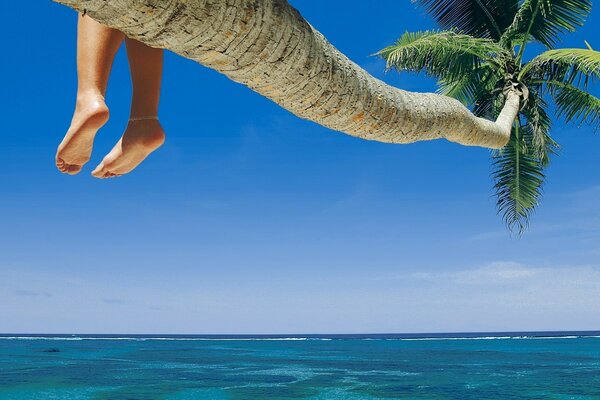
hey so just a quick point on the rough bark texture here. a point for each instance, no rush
(269, 47)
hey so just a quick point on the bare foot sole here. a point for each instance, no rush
(75, 149)
(141, 138)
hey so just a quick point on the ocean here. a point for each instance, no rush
(516, 365)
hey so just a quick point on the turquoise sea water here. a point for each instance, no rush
(516, 366)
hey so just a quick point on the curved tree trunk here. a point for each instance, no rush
(269, 47)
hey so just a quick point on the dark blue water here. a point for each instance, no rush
(547, 365)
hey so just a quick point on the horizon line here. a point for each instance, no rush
(301, 334)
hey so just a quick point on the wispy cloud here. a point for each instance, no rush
(113, 301)
(497, 296)
(517, 283)
(491, 274)
(575, 214)
(31, 293)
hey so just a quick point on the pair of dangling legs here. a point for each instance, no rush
(97, 46)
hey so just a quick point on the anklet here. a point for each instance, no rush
(143, 118)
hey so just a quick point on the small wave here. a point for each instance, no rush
(503, 338)
(151, 338)
(461, 338)
(166, 338)
(565, 337)
(499, 338)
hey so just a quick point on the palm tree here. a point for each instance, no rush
(480, 55)
(268, 46)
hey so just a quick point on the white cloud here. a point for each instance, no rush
(499, 296)
(513, 284)
(504, 296)
(501, 273)
(491, 274)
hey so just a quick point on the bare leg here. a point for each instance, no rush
(144, 133)
(96, 49)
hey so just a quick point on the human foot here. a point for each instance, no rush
(75, 149)
(142, 137)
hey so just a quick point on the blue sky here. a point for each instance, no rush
(250, 220)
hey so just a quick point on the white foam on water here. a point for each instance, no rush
(150, 338)
(500, 338)
(142, 339)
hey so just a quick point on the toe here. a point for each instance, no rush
(61, 165)
(99, 172)
(73, 169)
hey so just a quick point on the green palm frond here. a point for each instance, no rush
(545, 20)
(575, 104)
(462, 89)
(519, 176)
(481, 53)
(538, 127)
(577, 66)
(489, 100)
(470, 86)
(478, 18)
(487, 105)
(481, 91)
(444, 54)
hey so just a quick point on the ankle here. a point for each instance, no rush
(89, 93)
(140, 109)
(90, 103)
(147, 129)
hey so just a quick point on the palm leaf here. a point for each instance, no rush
(445, 54)
(469, 87)
(489, 99)
(575, 104)
(487, 105)
(479, 18)
(564, 65)
(462, 89)
(519, 177)
(538, 127)
(481, 91)
(545, 20)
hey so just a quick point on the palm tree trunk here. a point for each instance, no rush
(269, 47)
